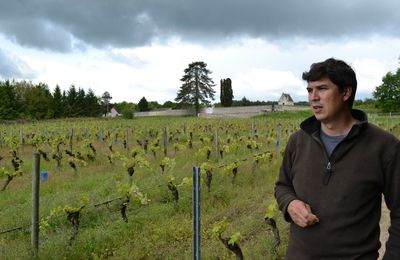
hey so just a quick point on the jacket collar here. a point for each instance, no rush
(312, 125)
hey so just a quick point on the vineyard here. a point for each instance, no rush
(122, 189)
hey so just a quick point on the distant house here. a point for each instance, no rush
(285, 100)
(113, 113)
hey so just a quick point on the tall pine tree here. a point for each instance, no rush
(197, 86)
(80, 105)
(92, 104)
(71, 97)
(57, 103)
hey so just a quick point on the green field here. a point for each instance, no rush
(157, 226)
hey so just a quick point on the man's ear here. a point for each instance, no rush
(347, 93)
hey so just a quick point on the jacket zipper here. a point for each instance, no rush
(328, 169)
(328, 173)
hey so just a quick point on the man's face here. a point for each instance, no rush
(326, 102)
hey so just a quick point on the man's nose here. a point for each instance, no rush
(313, 95)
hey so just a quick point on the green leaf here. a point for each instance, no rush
(234, 239)
(271, 210)
(219, 227)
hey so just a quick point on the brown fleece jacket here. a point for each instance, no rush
(347, 197)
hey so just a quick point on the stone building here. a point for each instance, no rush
(113, 113)
(285, 100)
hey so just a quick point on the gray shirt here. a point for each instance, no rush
(330, 142)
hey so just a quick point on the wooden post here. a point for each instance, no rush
(100, 134)
(21, 138)
(216, 143)
(71, 135)
(35, 204)
(126, 140)
(165, 140)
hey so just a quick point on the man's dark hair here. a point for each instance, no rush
(337, 71)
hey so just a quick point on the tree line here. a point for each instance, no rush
(25, 100)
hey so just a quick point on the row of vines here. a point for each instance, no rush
(122, 188)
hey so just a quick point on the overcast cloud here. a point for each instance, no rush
(13, 67)
(263, 45)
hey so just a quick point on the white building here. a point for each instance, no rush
(113, 113)
(285, 100)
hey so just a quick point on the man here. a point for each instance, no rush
(334, 172)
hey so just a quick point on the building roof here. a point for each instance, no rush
(286, 96)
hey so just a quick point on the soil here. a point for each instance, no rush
(384, 223)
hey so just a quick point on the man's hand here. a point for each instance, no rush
(301, 214)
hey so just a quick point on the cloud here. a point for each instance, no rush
(41, 34)
(128, 57)
(135, 48)
(64, 26)
(260, 70)
(11, 66)
(371, 73)
(262, 84)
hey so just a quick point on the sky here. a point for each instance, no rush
(140, 48)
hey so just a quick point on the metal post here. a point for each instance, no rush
(196, 213)
(35, 203)
(279, 142)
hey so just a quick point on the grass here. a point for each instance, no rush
(162, 229)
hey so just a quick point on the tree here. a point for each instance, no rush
(226, 92)
(8, 101)
(197, 86)
(153, 105)
(70, 99)
(80, 106)
(170, 104)
(126, 109)
(143, 105)
(92, 104)
(106, 97)
(57, 103)
(37, 101)
(64, 101)
(388, 93)
(245, 102)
